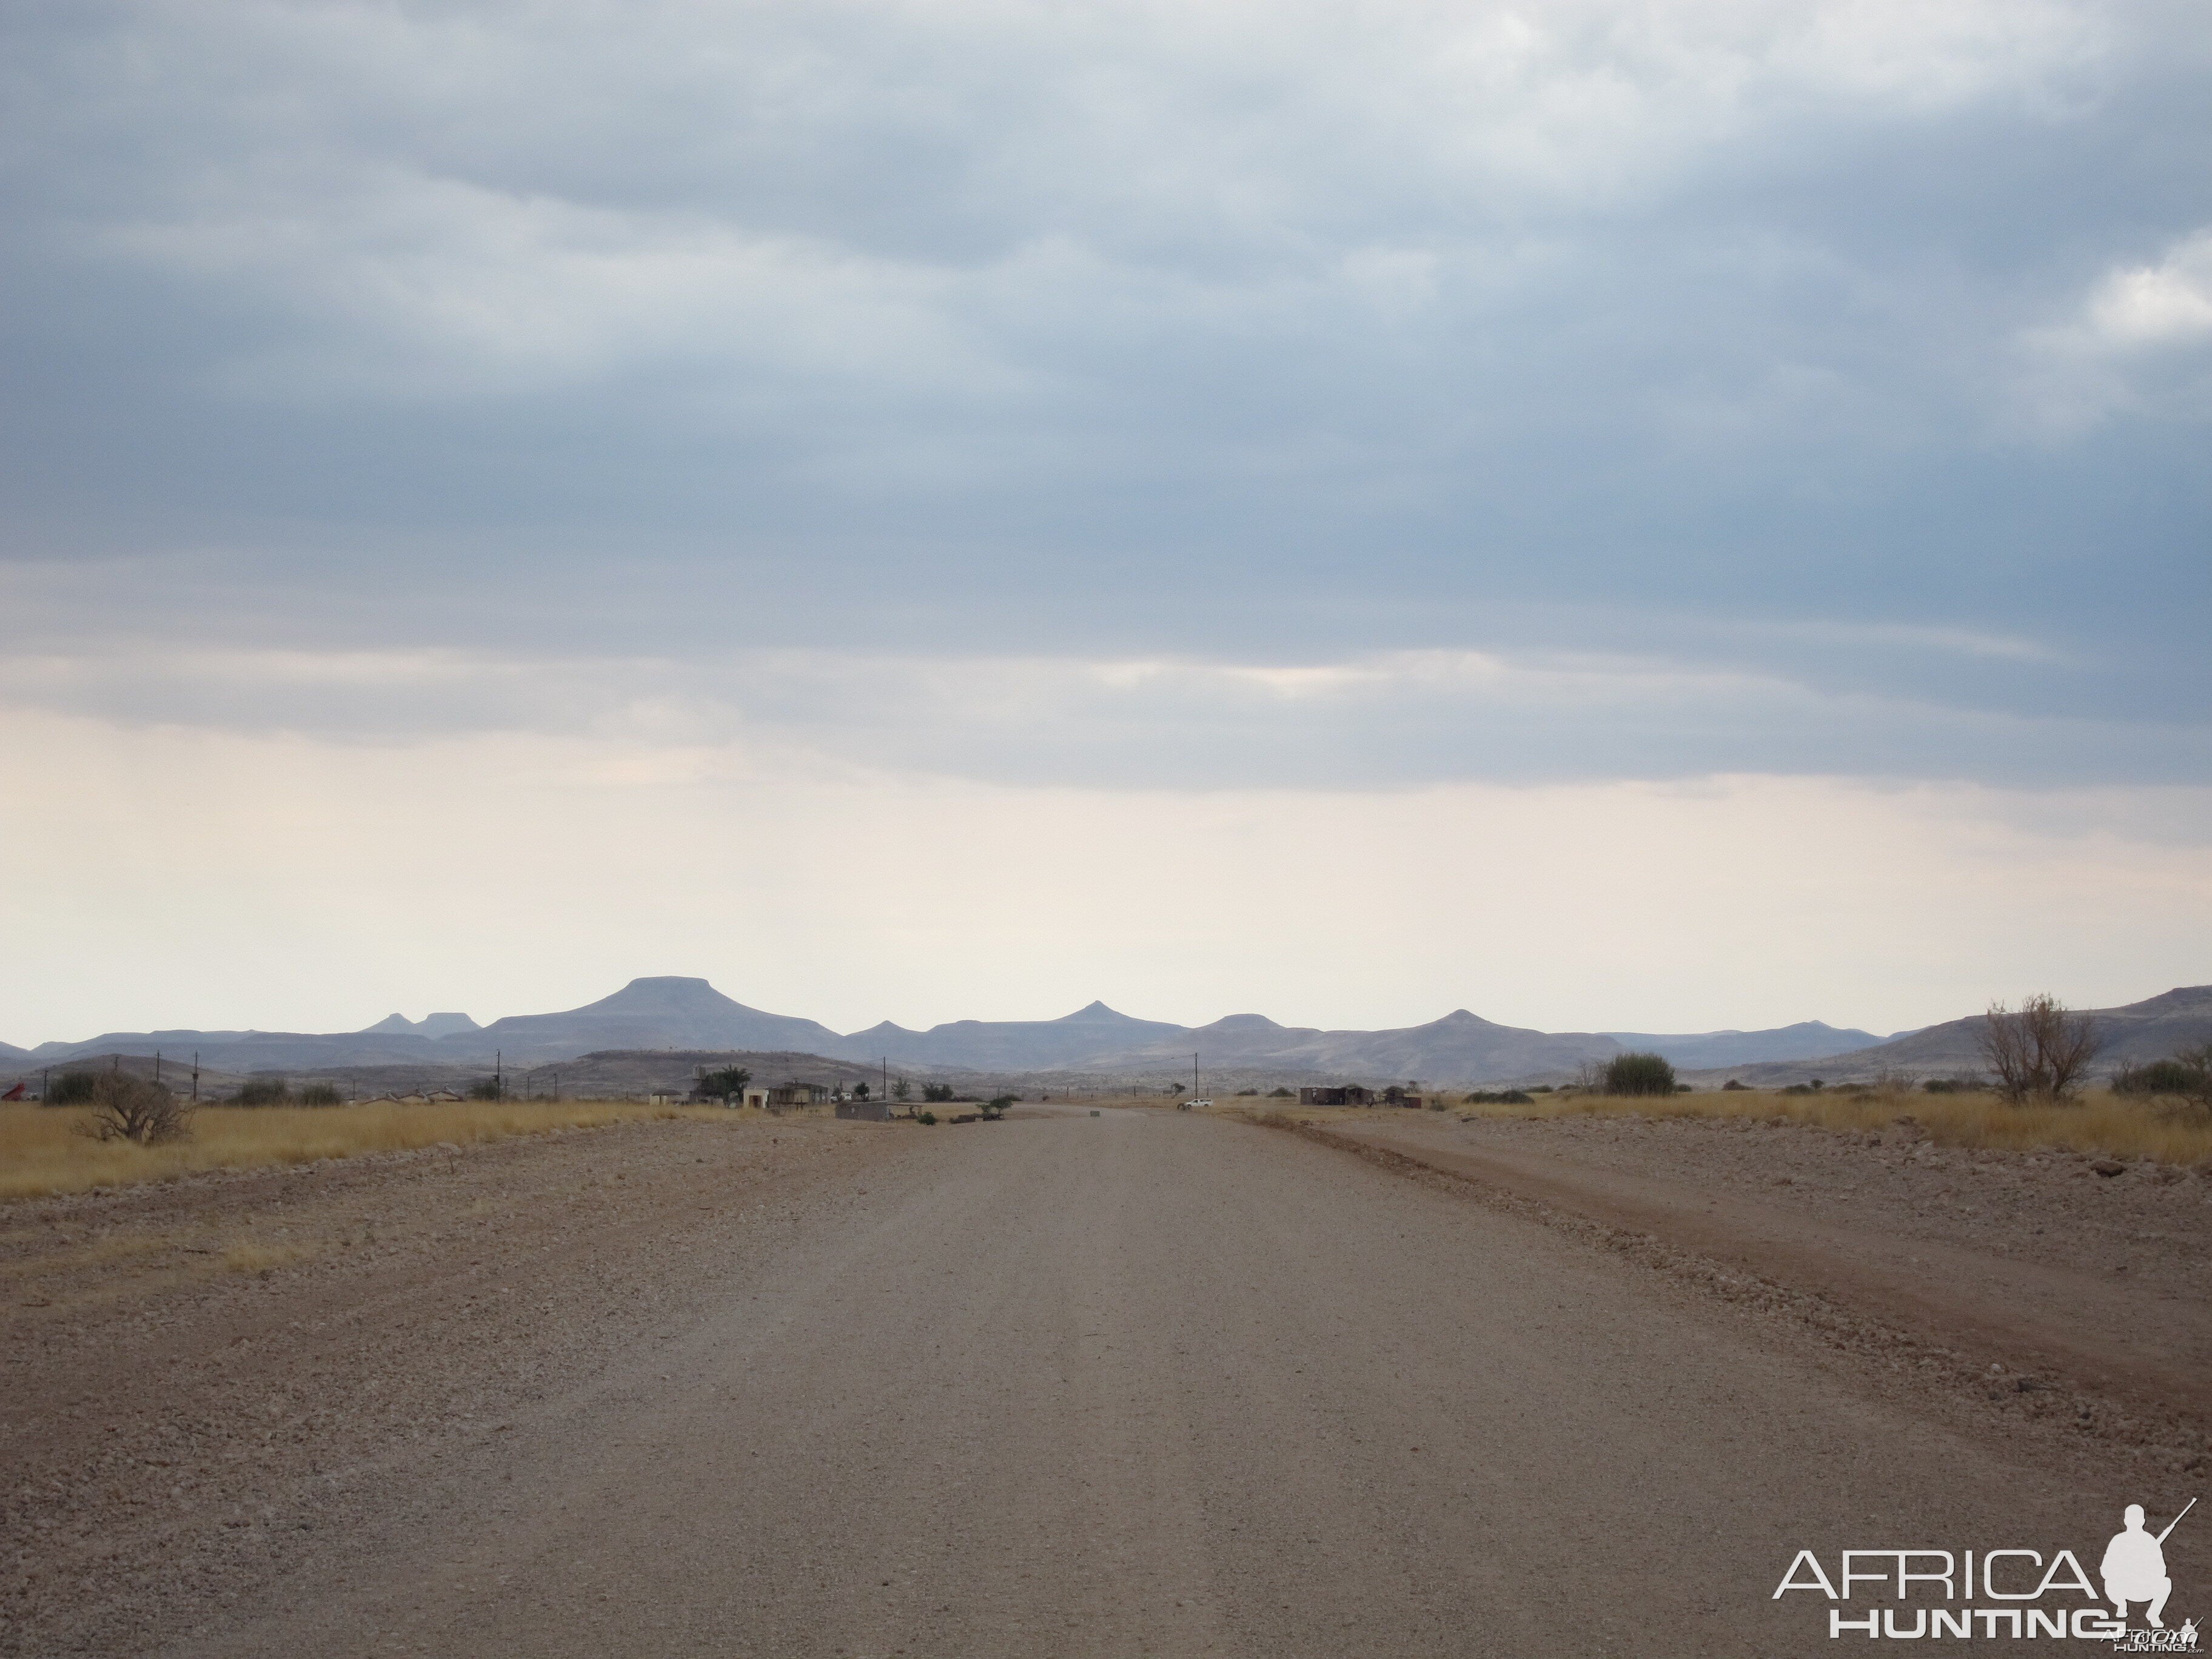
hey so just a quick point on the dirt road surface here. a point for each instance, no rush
(1142, 1384)
(2038, 1264)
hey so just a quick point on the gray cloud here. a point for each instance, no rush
(1388, 719)
(1832, 369)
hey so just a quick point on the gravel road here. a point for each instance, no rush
(2090, 1285)
(1143, 1384)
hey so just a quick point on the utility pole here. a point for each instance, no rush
(1193, 1077)
(196, 1074)
(157, 1068)
(499, 1073)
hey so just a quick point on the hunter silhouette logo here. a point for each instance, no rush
(2135, 1566)
(2003, 1593)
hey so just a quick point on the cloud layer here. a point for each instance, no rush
(1132, 327)
(1801, 701)
(1157, 403)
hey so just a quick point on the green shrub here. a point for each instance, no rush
(262, 1092)
(488, 1088)
(1279, 1093)
(320, 1094)
(732, 1080)
(1732, 1083)
(937, 1091)
(2158, 1077)
(1640, 1074)
(71, 1089)
(925, 1117)
(1498, 1097)
(2186, 1077)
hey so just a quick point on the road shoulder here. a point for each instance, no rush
(2030, 1282)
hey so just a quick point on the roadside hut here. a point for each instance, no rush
(1349, 1094)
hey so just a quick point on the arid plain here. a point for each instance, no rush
(1145, 1382)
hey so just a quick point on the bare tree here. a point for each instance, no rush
(2007, 1052)
(1892, 1082)
(127, 1108)
(2065, 1044)
(2041, 1052)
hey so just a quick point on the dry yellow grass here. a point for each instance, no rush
(2106, 1124)
(41, 1152)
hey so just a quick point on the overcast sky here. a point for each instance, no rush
(1614, 515)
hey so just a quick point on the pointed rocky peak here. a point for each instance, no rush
(430, 1025)
(1097, 1013)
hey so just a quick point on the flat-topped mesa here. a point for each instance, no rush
(656, 1012)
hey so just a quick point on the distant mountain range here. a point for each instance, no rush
(1012, 1045)
(2153, 1029)
(671, 1013)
